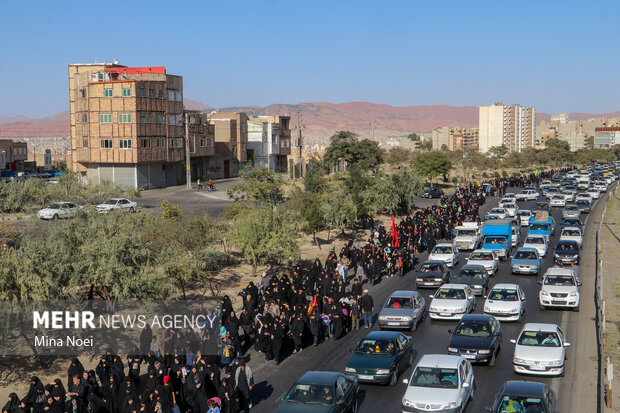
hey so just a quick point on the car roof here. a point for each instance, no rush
(404, 293)
(540, 327)
(477, 317)
(506, 286)
(378, 335)
(526, 249)
(572, 227)
(455, 286)
(535, 236)
(319, 377)
(560, 271)
(567, 241)
(439, 360)
(473, 267)
(482, 250)
(524, 388)
(445, 244)
(434, 262)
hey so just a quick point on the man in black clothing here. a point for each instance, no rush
(247, 324)
(297, 331)
(356, 289)
(367, 305)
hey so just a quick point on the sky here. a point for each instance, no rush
(557, 56)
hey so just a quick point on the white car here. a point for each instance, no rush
(569, 196)
(511, 196)
(538, 242)
(540, 349)
(451, 302)
(468, 236)
(486, 258)
(516, 233)
(594, 193)
(116, 204)
(557, 201)
(559, 290)
(500, 212)
(447, 253)
(439, 382)
(59, 210)
(506, 302)
(600, 186)
(527, 195)
(510, 207)
(572, 234)
(584, 196)
(524, 217)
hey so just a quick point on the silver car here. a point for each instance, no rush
(540, 350)
(439, 383)
(571, 211)
(403, 309)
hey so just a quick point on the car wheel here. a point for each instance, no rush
(394, 378)
(576, 309)
(132, 210)
(493, 359)
(541, 307)
(414, 324)
(473, 389)
(354, 406)
(54, 217)
(411, 359)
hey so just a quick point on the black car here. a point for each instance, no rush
(433, 193)
(584, 206)
(432, 273)
(525, 396)
(572, 222)
(475, 276)
(477, 337)
(566, 252)
(321, 391)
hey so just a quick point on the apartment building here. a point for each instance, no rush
(455, 139)
(605, 137)
(269, 142)
(127, 125)
(512, 126)
(13, 155)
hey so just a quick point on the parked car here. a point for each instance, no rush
(432, 193)
(117, 204)
(524, 217)
(440, 382)
(571, 211)
(505, 302)
(524, 396)
(380, 357)
(566, 252)
(540, 349)
(475, 276)
(432, 274)
(557, 201)
(525, 261)
(403, 309)
(539, 242)
(321, 391)
(527, 195)
(572, 234)
(59, 210)
(447, 253)
(559, 290)
(487, 258)
(451, 302)
(477, 337)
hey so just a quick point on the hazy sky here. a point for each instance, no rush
(558, 56)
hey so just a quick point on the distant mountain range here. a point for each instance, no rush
(319, 119)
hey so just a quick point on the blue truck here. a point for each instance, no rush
(541, 223)
(497, 237)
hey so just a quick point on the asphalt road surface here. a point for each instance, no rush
(430, 337)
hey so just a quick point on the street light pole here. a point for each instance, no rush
(188, 170)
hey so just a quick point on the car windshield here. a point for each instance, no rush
(534, 240)
(495, 240)
(571, 208)
(504, 294)
(491, 217)
(497, 211)
(558, 197)
(560, 280)
(435, 377)
(431, 268)
(311, 394)
(472, 329)
(376, 347)
(582, 202)
(575, 222)
(571, 232)
(484, 256)
(471, 273)
(466, 232)
(524, 213)
(542, 204)
(111, 202)
(539, 339)
(539, 227)
(442, 250)
(525, 255)
(566, 246)
(399, 302)
(450, 294)
(521, 404)
(54, 206)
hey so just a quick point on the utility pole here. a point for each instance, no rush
(299, 138)
(372, 128)
(188, 170)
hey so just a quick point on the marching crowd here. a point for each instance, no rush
(203, 369)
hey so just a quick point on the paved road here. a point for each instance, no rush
(430, 337)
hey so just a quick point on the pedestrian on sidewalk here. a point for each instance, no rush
(368, 307)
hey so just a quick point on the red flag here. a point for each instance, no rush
(313, 304)
(394, 234)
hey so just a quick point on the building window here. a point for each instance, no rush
(124, 118)
(178, 96)
(161, 142)
(125, 144)
(84, 143)
(83, 91)
(171, 95)
(151, 93)
(159, 118)
(145, 117)
(106, 143)
(145, 143)
(141, 92)
(84, 118)
(109, 93)
(192, 120)
(175, 143)
(192, 144)
(105, 118)
(160, 94)
(203, 141)
(126, 92)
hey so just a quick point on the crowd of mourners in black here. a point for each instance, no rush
(204, 370)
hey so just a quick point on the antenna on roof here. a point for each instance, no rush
(115, 61)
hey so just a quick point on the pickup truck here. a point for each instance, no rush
(544, 228)
(497, 237)
(468, 236)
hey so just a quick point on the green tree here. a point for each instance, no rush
(426, 145)
(398, 155)
(345, 145)
(444, 147)
(432, 164)
(356, 183)
(169, 212)
(414, 137)
(381, 195)
(260, 186)
(557, 144)
(315, 176)
(338, 209)
(589, 142)
(308, 205)
(498, 151)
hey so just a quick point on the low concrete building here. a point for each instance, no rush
(269, 142)
(13, 155)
